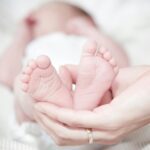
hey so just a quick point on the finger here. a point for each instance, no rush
(43, 126)
(61, 132)
(61, 138)
(105, 138)
(58, 132)
(65, 77)
(73, 70)
(85, 119)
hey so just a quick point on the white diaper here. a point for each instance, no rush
(61, 48)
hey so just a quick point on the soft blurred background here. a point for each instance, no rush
(126, 21)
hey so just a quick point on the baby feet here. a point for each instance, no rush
(40, 81)
(97, 71)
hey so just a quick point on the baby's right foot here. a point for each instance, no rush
(97, 71)
(41, 82)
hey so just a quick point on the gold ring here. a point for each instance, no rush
(90, 136)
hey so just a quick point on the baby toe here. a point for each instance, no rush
(98, 54)
(90, 48)
(112, 62)
(24, 87)
(32, 64)
(43, 62)
(25, 78)
(107, 55)
(103, 50)
(28, 70)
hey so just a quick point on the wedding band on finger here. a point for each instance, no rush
(90, 136)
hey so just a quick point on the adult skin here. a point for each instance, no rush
(110, 123)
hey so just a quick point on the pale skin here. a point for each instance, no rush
(106, 121)
(40, 81)
(108, 128)
(37, 25)
(110, 123)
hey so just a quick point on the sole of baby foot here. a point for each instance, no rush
(41, 81)
(97, 71)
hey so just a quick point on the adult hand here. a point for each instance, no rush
(109, 123)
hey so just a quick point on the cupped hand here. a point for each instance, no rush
(109, 123)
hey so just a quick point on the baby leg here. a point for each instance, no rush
(84, 27)
(96, 73)
(42, 83)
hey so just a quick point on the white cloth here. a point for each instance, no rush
(14, 145)
(61, 48)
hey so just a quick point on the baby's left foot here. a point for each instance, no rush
(97, 70)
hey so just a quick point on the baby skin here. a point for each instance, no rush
(97, 70)
(42, 83)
